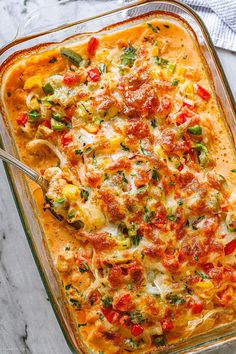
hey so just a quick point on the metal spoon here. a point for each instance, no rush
(32, 174)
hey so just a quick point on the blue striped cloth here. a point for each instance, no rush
(219, 17)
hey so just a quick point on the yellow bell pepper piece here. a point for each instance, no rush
(205, 285)
(159, 151)
(33, 81)
(91, 128)
(34, 104)
(116, 141)
(71, 192)
(188, 90)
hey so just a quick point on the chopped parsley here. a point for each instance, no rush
(52, 60)
(174, 299)
(155, 175)
(175, 83)
(102, 68)
(105, 176)
(153, 123)
(82, 324)
(129, 56)
(78, 152)
(202, 275)
(84, 194)
(107, 302)
(125, 148)
(146, 153)
(83, 267)
(234, 170)
(161, 62)
(154, 29)
(172, 218)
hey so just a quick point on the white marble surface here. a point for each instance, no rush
(27, 322)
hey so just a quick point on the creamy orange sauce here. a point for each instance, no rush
(174, 76)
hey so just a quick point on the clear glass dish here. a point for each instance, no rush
(113, 20)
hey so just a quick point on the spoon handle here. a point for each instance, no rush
(32, 174)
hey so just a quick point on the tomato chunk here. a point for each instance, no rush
(92, 46)
(111, 315)
(197, 308)
(47, 124)
(22, 118)
(136, 330)
(93, 74)
(123, 303)
(65, 139)
(203, 93)
(167, 324)
(125, 321)
(230, 247)
(71, 79)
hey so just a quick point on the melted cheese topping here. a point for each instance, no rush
(127, 131)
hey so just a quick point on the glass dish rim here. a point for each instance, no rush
(196, 347)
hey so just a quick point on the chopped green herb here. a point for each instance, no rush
(88, 149)
(131, 344)
(153, 123)
(101, 316)
(195, 130)
(155, 175)
(75, 303)
(33, 116)
(124, 179)
(83, 267)
(78, 152)
(136, 317)
(142, 190)
(102, 68)
(154, 29)
(202, 275)
(71, 215)
(125, 148)
(195, 258)
(107, 302)
(129, 286)
(105, 176)
(180, 202)
(129, 56)
(146, 153)
(234, 170)
(175, 83)
(174, 299)
(68, 286)
(158, 340)
(52, 60)
(48, 89)
(84, 194)
(72, 56)
(171, 183)
(8, 94)
(172, 218)
(82, 324)
(161, 62)
(171, 67)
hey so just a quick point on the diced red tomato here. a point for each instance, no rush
(111, 315)
(136, 330)
(125, 321)
(22, 118)
(71, 79)
(207, 267)
(181, 119)
(65, 139)
(92, 46)
(93, 74)
(70, 110)
(123, 303)
(180, 167)
(167, 324)
(230, 247)
(197, 307)
(47, 124)
(203, 93)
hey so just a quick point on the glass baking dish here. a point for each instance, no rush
(116, 19)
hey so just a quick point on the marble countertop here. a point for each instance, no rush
(27, 322)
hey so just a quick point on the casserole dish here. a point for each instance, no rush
(35, 231)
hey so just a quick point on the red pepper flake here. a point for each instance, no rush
(22, 118)
(203, 93)
(230, 247)
(92, 46)
(93, 74)
(136, 330)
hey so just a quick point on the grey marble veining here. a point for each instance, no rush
(27, 321)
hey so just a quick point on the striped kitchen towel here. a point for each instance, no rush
(219, 17)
